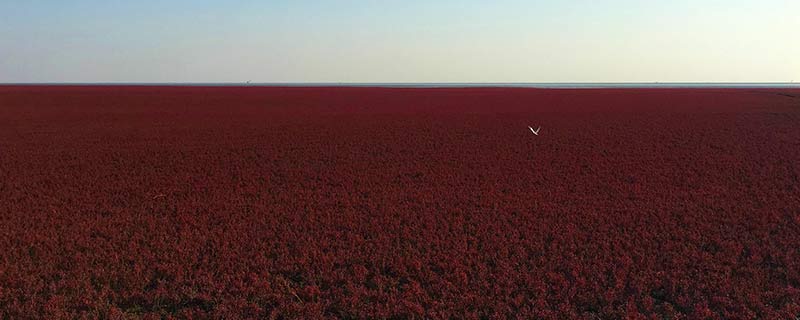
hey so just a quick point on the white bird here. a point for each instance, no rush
(536, 132)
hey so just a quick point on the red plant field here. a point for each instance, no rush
(391, 203)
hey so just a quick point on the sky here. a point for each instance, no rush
(399, 41)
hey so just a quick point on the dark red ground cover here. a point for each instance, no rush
(241, 202)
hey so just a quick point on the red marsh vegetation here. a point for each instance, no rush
(390, 203)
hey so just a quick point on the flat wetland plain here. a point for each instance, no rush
(362, 202)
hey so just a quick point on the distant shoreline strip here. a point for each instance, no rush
(586, 85)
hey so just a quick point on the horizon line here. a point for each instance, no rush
(563, 85)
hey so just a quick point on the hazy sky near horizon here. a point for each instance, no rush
(399, 41)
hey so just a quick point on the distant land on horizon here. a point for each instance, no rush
(556, 85)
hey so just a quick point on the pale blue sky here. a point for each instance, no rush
(399, 41)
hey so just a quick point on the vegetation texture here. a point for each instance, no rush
(240, 202)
